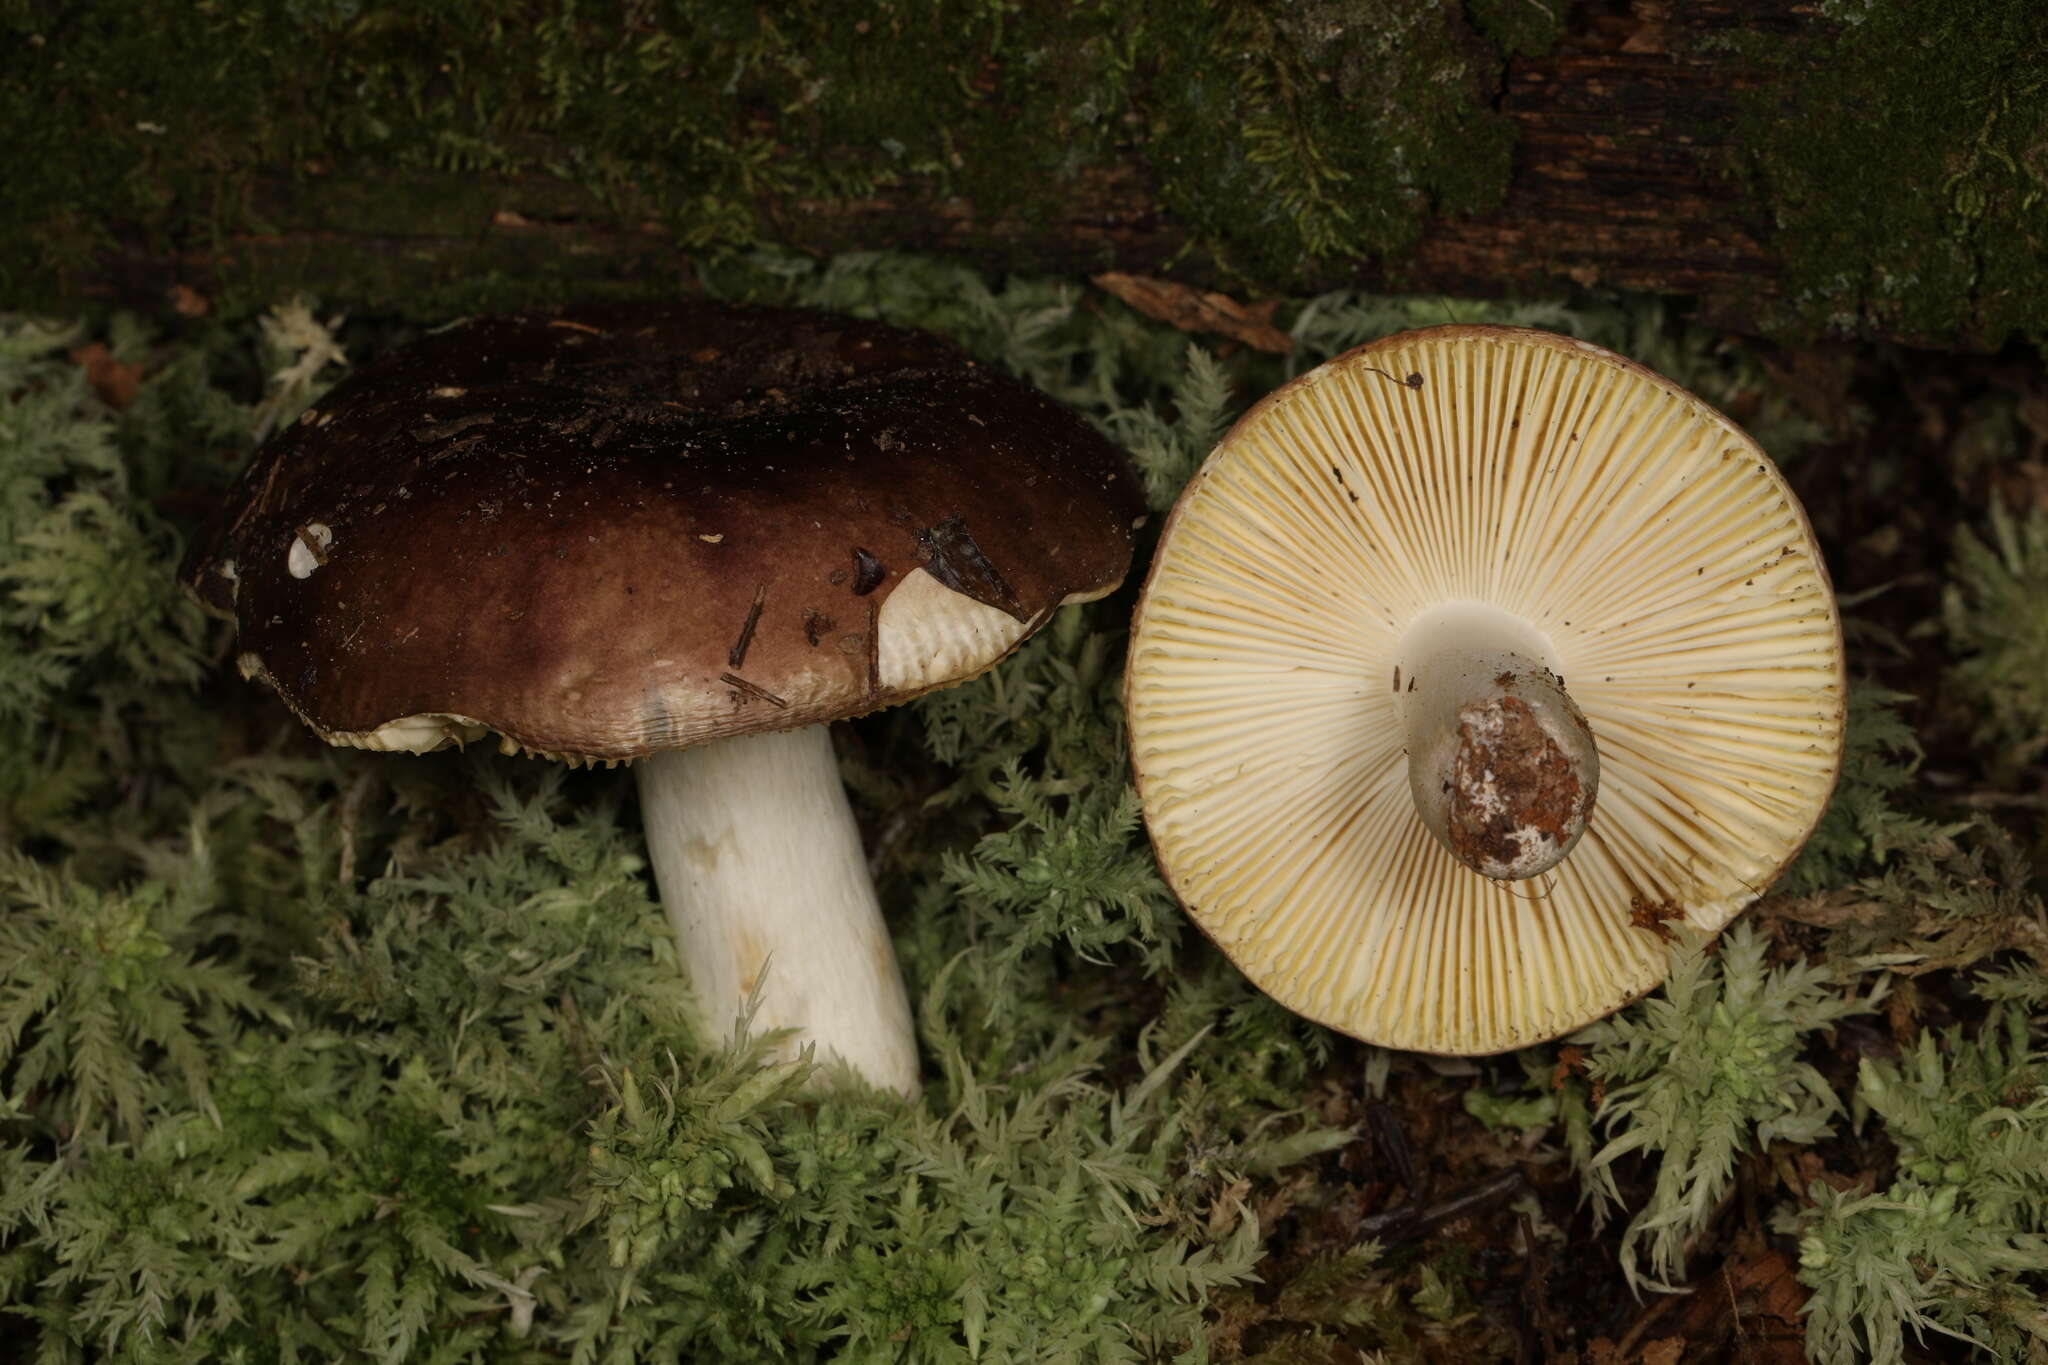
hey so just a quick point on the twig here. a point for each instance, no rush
(1408, 1223)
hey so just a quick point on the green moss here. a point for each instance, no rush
(309, 1054)
(1903, 160)
(1520, 28)
(1281, 133)
(1288, 135)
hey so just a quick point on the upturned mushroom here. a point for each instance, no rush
(1469, 663)
(689, 537)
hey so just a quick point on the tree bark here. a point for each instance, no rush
(1626, 175)
(1622, 180)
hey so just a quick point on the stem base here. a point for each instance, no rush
(761, 871)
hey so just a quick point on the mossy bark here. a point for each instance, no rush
(1866, 166)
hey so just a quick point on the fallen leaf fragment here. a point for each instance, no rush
(1653, 916)
(115, 384)
(1754, 1303)
(1571, 1061)
(1195, 310)
(188, 302)
(1666, 1351)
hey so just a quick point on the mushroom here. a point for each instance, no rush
(1419, 606)
(688, 537)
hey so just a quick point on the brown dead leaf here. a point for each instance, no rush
(1751, 1303)
(1823, 909)
(1228, 1208)
(1933, 942)
(1902, 1011)
(1651, 34)
(1602, 1351)
(1571, 1061)
(2023, 485)
(1798, 1169)
(1771, 1287)
(1664, 1351)
(1277, 1202)
(1884, 542)
(1654, 916)
(2033, 415)
(115, 383)
(188, 302)
(1819, 381)
(1193, 310)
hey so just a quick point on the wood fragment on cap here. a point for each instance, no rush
(737, 655)
(739, 684)
(874, 648)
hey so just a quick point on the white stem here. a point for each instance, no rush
(761, 871)
(1501, 763)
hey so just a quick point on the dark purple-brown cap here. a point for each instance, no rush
(613, 531)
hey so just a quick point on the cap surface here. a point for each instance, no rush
(608, 532)
(1567, 500)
